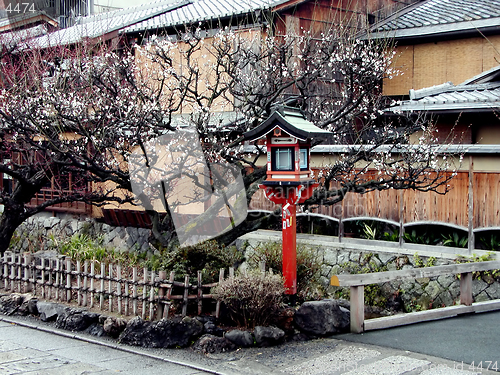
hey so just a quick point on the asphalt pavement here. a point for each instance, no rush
(457, 346)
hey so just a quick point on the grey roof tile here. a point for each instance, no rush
(434, 16)
(447, 97)
(208, 9)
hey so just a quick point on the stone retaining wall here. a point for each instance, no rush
(42, 232)
(375, 256)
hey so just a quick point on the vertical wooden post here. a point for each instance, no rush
(262, 266)
(126, 296)
(162, 275)
(119, 287)
(200, 294)
(186, 294)
(401, 218)
(92, 278)
(217, 306)
(79, 281)
(85, 282)
(110, 288)
(466, 289)
(12, 272)
(152, 295)
(6, 270)
(134, 290)
(58, 276)
(470, 228)
(19, 270)
(46, 265)
(357, 308)
(28, 286)
(144, 292)
(68, 279)
(101, 297)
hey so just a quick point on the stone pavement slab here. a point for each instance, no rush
(72, 353)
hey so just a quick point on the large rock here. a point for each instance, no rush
(165, 333)
(76, 320)
(322, 318)
(13, 304)
(114, 326)
(240, 338)
(268, 336)
(213, 344)
(50, 311)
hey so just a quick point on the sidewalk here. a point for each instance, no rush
(37, 351)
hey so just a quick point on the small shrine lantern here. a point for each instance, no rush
(288, 139)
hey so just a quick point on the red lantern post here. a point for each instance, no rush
(289, 178)
(288, 198)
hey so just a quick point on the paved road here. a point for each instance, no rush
(473, 338)
(445, 347)
(31, 351)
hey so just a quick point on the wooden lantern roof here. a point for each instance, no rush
(291, 121)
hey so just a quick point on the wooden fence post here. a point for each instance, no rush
(28, 286)
(85, 282)
(466, 289)
(6, 270)
(110, 287)
(152, 295)
(56, 282)
(119, 287)
(79, 281)
(144, 292)
(186, 294)
(68, 279)
(92, 280)
(357, 308)
(217, 305)
(101, 296)
(134, 290)
(162, 275)
(200, 293)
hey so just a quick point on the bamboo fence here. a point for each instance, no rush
(106, 287)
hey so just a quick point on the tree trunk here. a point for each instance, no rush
(9, 221)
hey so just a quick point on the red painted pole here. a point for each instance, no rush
(289, 234)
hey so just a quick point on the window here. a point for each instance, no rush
(303, 159)
(283, 159)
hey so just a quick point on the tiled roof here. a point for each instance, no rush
(104, 23)
(430, 17)
(160, 14)
(468, 96)
(201, 10)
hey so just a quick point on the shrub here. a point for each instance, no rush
(208, 257)
(82, 247)
(308, 265)
(252, 298)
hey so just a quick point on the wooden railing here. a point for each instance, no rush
(358, 281)
(107, 287)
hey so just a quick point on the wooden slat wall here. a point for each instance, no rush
(486, 200)
(451, 208)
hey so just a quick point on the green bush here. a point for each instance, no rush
(208, 257)
(82, 247)
(252, 298)
(308, 266)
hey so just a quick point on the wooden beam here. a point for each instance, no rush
(427, 315)
(382, 277)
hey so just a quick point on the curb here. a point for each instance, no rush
(108, 345)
